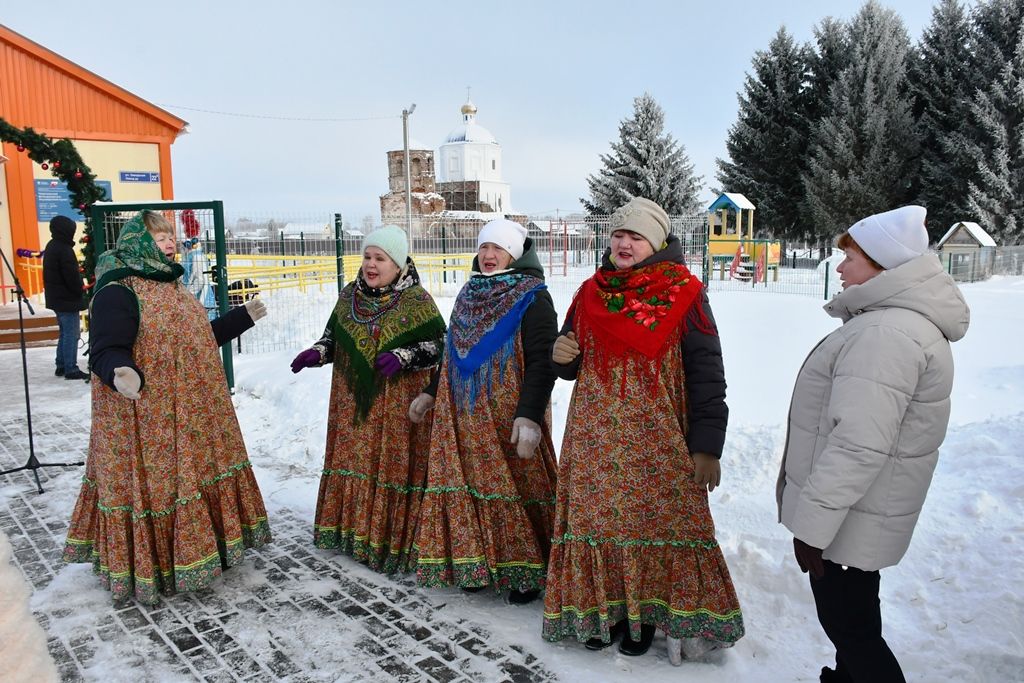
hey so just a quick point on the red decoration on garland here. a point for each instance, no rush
(78, 174)
(56, 164)
(44, 165)
(81, 207)
(86, 239)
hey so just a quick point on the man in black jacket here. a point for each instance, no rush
(62, 283)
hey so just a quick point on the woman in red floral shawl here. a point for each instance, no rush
(634, 546)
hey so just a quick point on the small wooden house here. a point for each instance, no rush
(967, 251)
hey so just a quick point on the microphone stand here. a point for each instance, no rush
(33, 463)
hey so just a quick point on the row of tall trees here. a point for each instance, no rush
(862, 121)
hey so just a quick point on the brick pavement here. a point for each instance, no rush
(291, 612)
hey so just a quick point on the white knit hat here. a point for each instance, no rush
(894, 237)
(504, 233)
(392, 240)
(645, 218)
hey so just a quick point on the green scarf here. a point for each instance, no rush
(363, 326)
(135, 254)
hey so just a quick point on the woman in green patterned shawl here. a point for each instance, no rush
(168, 499)
(383, 337)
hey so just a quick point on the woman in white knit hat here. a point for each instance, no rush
(487, 509)
(869, 411)
(634, 547)
(383, 337)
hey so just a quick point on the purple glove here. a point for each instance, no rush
(306, 359)
(388, 364)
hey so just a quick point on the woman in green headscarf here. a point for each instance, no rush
(168, 499)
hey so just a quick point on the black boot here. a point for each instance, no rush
(634, 648)
(834, 676)
(615, 632)
(75, 373)
(522, 597)
(472, 589)
(59, 372)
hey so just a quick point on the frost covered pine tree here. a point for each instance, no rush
(996, 142)
(825, 63)
(997, 195)
(768, 143)
(645, 162)
(862, 152)
(941, 80)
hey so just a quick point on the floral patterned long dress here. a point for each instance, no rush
(169, 499)
(375, 467)
(634, 538)
(487, 513)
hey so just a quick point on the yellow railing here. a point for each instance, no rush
(32, 278)
(287, 271)
(273, 272)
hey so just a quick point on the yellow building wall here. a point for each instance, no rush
(107, 160)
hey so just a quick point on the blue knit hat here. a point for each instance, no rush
(392, 240)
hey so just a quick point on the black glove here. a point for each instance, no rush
(808, 558)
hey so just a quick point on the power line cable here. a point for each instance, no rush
(279, 118)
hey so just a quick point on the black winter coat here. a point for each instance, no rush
(62, 281)
(114, 326)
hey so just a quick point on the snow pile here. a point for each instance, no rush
(952, 609)
(949, 610)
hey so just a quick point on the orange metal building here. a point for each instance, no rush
(125, 140)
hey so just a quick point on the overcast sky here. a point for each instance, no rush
(552, 80)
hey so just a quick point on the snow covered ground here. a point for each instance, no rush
(952, 609)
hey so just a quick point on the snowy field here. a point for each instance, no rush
(952, 609)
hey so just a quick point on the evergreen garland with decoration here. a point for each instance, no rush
(62, 160)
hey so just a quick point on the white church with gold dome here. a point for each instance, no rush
(464, 185)
(469, 168)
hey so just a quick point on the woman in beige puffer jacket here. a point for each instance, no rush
(869, 411)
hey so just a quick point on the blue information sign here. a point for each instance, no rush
(139, 177)
(54, 199)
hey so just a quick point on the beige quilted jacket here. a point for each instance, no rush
(869, 411)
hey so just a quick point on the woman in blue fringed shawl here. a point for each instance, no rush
(486, 518)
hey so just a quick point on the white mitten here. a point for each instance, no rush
(675, 651)
(419, 407)
(695, 648)
(127, 382)
(256, 309)
(526, 436)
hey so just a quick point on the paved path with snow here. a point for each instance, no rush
(291, 612)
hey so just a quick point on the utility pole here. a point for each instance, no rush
(408, 172)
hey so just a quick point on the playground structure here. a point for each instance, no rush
(732, 249)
